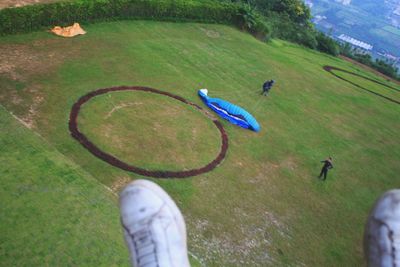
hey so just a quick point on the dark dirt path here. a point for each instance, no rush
(331, 68)
(84, 141)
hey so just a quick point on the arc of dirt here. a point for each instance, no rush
(91, 147)
(331, 68)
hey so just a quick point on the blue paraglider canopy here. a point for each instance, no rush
(230, 112)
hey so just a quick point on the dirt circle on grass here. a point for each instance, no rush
(95, 150)
(330, 69)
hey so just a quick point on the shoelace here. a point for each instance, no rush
(395, 248)
(394, 242)
(145, 247)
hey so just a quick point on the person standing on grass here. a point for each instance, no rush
(327, 165)
(267, 86)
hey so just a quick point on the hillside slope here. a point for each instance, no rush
(52, 212)
(264, 205)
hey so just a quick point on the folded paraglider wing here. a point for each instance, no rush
(230, 112)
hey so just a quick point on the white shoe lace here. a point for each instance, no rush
(145, 248)
(394, 244)
(395, 237)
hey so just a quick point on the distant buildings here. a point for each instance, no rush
(354, 42)
(317, 19)
(397, 11)
(344, 2)
(389, 57)
(322, 22)
(309, 3)
(394, 16)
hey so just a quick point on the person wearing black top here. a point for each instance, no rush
(327, 165)
(267, 86)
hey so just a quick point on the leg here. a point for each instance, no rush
(325, 173)
(153, 226)
(382, 231)
(321, 173)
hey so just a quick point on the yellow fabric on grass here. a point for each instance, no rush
(69, 31)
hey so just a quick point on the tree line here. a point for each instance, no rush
(284, 19)
(291, 20)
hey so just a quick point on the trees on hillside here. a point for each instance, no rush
(291, 20)
(386, 67)
(295, 10)
(327, 44)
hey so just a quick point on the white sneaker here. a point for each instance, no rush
(382, 232)
(154, 228)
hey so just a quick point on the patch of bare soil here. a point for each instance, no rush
(41, 56)
(19, 63)
(122, 105)
(120, 183)
(243, 252)
(266, 170)
(211, 33)
(289, 163)
(269, 169)
(28, 119)
(18, 3)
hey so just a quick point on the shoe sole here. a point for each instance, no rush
(159, 192)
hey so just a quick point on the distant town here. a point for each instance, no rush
(368, 27)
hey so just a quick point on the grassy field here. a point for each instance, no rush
(52, 213)
(264, 204)
(388, 91)
(107, 121)
(392, 29)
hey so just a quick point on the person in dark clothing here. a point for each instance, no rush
(267, 86)
(327, 165)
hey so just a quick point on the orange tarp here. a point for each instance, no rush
(69, 31)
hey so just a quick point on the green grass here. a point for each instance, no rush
(392, 29)
(263, 205)
(52, 213)
(125, 124)
(375, 87)
(390, 37)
